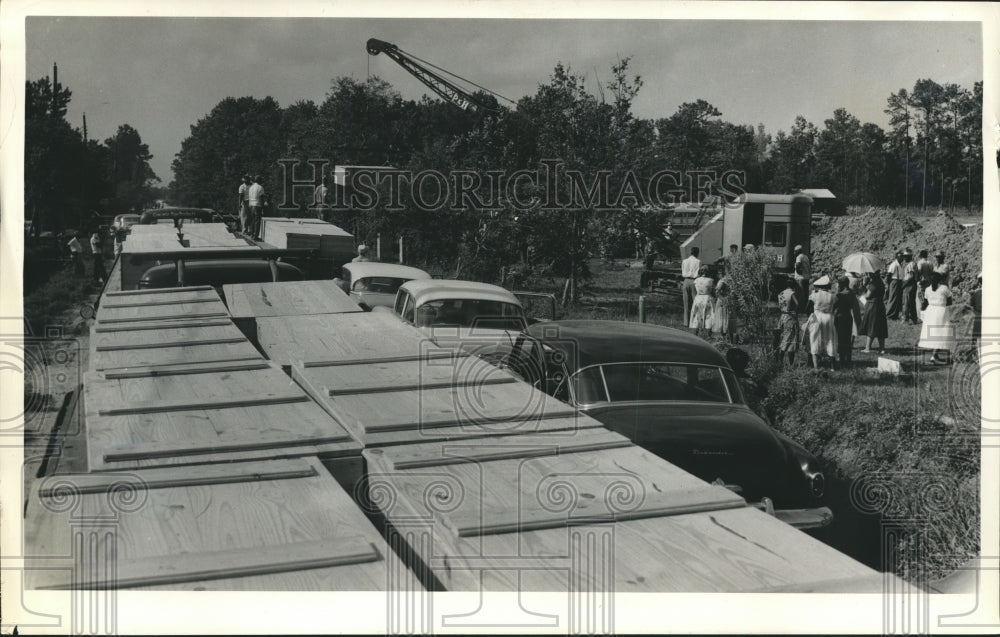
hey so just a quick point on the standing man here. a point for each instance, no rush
(909, 287)
(243, 206)
(97, 247)
(255, 196)
(362, 254)
(802, 273)
(942, 268)
(76, 254)
(895, 287)
(319, 198)
(689, 270)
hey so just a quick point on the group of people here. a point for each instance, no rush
(706, 301)
(863, 305)
(96, 252)
(252, 200)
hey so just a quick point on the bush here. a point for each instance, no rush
(751, 276)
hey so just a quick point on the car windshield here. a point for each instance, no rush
(631, 382)
(475, 313)
(380, 284)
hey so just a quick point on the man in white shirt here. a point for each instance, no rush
(895, 288)
(689, 270)
(243, 206)
(802, 274)
(76, 253)
(255, 195)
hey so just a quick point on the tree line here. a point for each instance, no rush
(931, 155)
(70, 180)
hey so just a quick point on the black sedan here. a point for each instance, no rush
(675, 395)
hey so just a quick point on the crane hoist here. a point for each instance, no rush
(422, 70)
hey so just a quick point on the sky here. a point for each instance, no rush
(161, 75)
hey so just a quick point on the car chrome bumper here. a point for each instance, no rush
(799, 518)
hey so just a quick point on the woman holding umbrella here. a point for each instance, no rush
(873, 321)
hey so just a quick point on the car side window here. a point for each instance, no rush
(400, 301)
(408, 309)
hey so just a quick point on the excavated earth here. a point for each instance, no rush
(884, 231)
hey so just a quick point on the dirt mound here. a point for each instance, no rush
(878, 231)
(941, 224)
(885, 231)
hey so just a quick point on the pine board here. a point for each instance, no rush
(288, 298)
(277, 525)
(122, 343)
(204, 415)
(723, 550)
(403, 402)
(353, 335)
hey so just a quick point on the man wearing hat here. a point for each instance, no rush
(801, 268)
(243, 206)
(895, 288)
(362, 254)
(942, 268)
(909, 287)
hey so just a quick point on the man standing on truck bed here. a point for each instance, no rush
(244, 202)
(689, 270)
(255, 194)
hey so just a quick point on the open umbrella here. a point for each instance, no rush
(862, 262)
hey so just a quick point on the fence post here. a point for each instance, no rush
(401, 249)
(642, 308)
(378, 247)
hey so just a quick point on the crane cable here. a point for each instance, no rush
(435, 66)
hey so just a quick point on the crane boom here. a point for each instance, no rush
(438, 84)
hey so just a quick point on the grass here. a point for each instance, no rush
(46, 305)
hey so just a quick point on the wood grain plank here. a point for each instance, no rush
(428, 356)
(422, 385)
(163, 344)
(150, 371)
(162, 317)
(593, 511)
(181, 323)
(149, 407)
(493, 449)
(172, 478)
(173, 569)
(116, 306)
(130, 293)
(174, 449)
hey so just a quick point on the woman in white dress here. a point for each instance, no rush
(822, 332)
(701, 308)
(937, 332)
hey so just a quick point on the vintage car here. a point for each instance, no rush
(373, 284)
(217, 273)
(478, 318)
(675, 395)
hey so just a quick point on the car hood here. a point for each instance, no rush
(712, 441)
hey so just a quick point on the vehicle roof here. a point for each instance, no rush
(424, 290)
(361, 269)
(756, 197)
(592, 342)
(127, 214)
